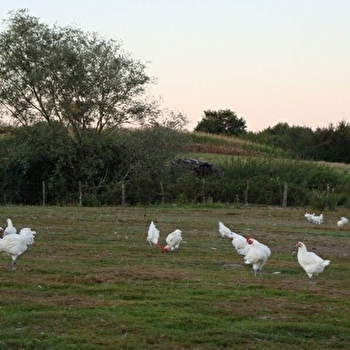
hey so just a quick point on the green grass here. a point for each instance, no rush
(91, 281)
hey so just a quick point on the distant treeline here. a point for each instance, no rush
(331, 144)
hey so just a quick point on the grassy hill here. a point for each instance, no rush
(216, 148)
(219, 144)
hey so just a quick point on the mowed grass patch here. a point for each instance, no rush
(91, 281)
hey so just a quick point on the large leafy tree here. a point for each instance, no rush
(332, 143)
(297, 139)
(223, 121)
(67, 75)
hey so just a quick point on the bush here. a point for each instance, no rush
(322, 200)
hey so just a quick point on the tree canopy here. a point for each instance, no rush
(67, 75)
(223, 121)
(330, 143)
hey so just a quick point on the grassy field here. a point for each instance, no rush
(91, 281)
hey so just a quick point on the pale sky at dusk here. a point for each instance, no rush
(270, 61)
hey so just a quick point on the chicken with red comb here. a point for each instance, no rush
(173, 241)
(257, 255)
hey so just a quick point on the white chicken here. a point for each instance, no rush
(238, 241)
(308, 216)
(317, 219)
(173, 241)
(10, 229)
(310, 262)
(342, 222)
(153, 234)
(257, 255)
(224, 231)
(16, 244)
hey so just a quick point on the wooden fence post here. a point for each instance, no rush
(80, 193)
(44, 192)
(285, 195)
(246, 193)
(162, 189)
(123, 193)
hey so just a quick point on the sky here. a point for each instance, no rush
(270, 61)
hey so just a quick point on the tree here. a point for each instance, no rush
(64, 74)
(297, 139)
(332, 143)
(221, 122)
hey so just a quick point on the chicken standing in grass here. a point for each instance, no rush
(317, 219)
(153, 234)
(342, 222)
(16, 244)
(257, 255)
(310, 262)
(173, 241)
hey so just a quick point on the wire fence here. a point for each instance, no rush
(124, 193)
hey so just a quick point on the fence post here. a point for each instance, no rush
(285, 194)
(162, 189)
(80, 193)
(44, 192)
(123, 192)
(246, 193)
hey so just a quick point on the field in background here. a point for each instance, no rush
(216, 148)
(201, 142)
(91, 281)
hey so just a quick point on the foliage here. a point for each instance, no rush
(67, 75)
(224, 122)
(140, 160)
(322, 200)
(295, 139)
(329, 144)
(43, 153)
(267, 177)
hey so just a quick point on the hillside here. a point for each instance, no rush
(215, 148)
(200, 142)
